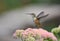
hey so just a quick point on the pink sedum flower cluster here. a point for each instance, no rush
(37, 34)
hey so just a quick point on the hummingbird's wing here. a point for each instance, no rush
(40, 14)
(43, 16)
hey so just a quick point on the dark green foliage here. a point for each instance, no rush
(48, 39)
(50, 26)
(10, 4)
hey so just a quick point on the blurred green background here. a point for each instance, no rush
(11, 4)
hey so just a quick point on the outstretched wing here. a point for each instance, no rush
(32, 14)
(40, 14)
(43, 16)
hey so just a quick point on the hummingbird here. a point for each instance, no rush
(37, 18)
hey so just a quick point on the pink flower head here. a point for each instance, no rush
(28, 32)
(43, 33)
(40, 33)
(46, 34)
(36, 32)
(51, 36)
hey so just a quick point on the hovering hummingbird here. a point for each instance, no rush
(37, 18)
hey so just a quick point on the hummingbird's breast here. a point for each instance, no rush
(36, 21)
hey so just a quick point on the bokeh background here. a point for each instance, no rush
(13, 15)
